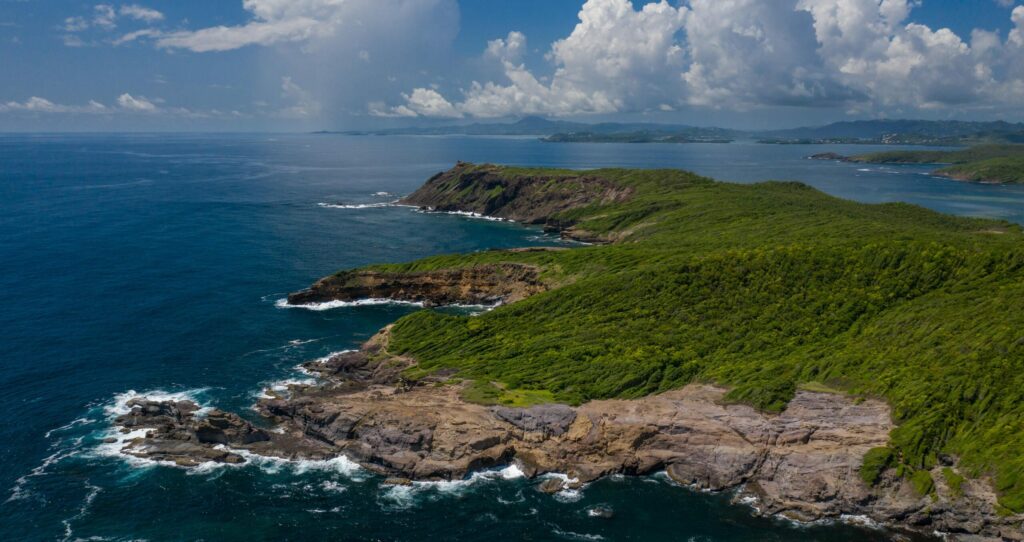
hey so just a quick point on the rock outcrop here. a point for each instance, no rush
(486, 284)
(803, 463)
(541, 199)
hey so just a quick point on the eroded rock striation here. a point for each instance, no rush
(803, 463)
(479, 285)
(541, 199)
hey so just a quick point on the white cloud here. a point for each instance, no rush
(509, 49)
(75, 24)
(274, 21)
(36, 104)
(136, 104)
(303, 104)
(104, 16)
(1017, 34)
(141, 13)
(743, 54)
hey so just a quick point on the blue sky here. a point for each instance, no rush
(344, 64)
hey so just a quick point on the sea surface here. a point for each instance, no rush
(152, 265)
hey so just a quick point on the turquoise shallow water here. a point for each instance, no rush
(152, 263)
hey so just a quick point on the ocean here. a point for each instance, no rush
(153, 264)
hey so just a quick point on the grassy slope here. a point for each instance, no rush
(984, 163)
(765, 288)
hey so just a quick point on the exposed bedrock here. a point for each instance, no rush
(532, 199)
(803, 463)
(483, 284)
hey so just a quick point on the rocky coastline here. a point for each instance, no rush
(804, 463)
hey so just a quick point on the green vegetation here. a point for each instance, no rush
(954, 481)
(491, 393)
(765, 288)
(984, 163)
(922, 482)
(643, 136)
(1008, 170)
(875, 463)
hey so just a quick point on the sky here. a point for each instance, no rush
(298, 65)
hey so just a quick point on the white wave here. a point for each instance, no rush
(859, 520)
(19, 491)
(863, 169)
(324, 359)
(328, 305)
(382, 194)
(69, 425)
(399, 497)
(355, 205)
(272, 465)
(333, 487)
(82, 511)
(120, 404)
(283, 386)
(467, 214)
(575, 536)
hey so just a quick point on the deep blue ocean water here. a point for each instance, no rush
(146, 264)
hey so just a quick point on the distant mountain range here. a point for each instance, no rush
(539, 126)
(864, 131)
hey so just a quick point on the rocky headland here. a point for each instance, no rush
(804, 463)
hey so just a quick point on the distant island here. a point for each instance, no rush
(868, 132)
(824, 357)
(994, 164)
(635, 137)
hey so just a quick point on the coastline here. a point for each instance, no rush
(366, 410)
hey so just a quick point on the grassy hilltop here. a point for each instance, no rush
(765, 288)
(1000, 164)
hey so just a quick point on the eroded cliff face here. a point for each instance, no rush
(803, 463)
(480, 285)
(530, 199)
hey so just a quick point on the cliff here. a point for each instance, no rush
(766, 336)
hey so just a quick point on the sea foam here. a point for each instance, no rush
(328, 305)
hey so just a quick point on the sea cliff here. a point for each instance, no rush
(760, 338)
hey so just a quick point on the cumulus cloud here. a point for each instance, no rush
(104, 16)
(36, 104)
(141, 13)
(125, 104)
(136, 104)
(862, 55)
(274, 21)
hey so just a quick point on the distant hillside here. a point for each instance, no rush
(903, 132)
(994, 164)
(539, 126)
(892, 132)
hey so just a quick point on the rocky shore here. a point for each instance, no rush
(541, 199)
(802, 464)
(481, 285)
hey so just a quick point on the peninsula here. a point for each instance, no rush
(992, 164)
(826, 357)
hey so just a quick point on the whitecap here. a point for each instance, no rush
(354, 205)
(467, 214)
(328, 305)
(575, 536)
(19, 490)
(863, 169)
(120, 404)
(69, 425)
(82, 510)
(860, 520)
(283, 386)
